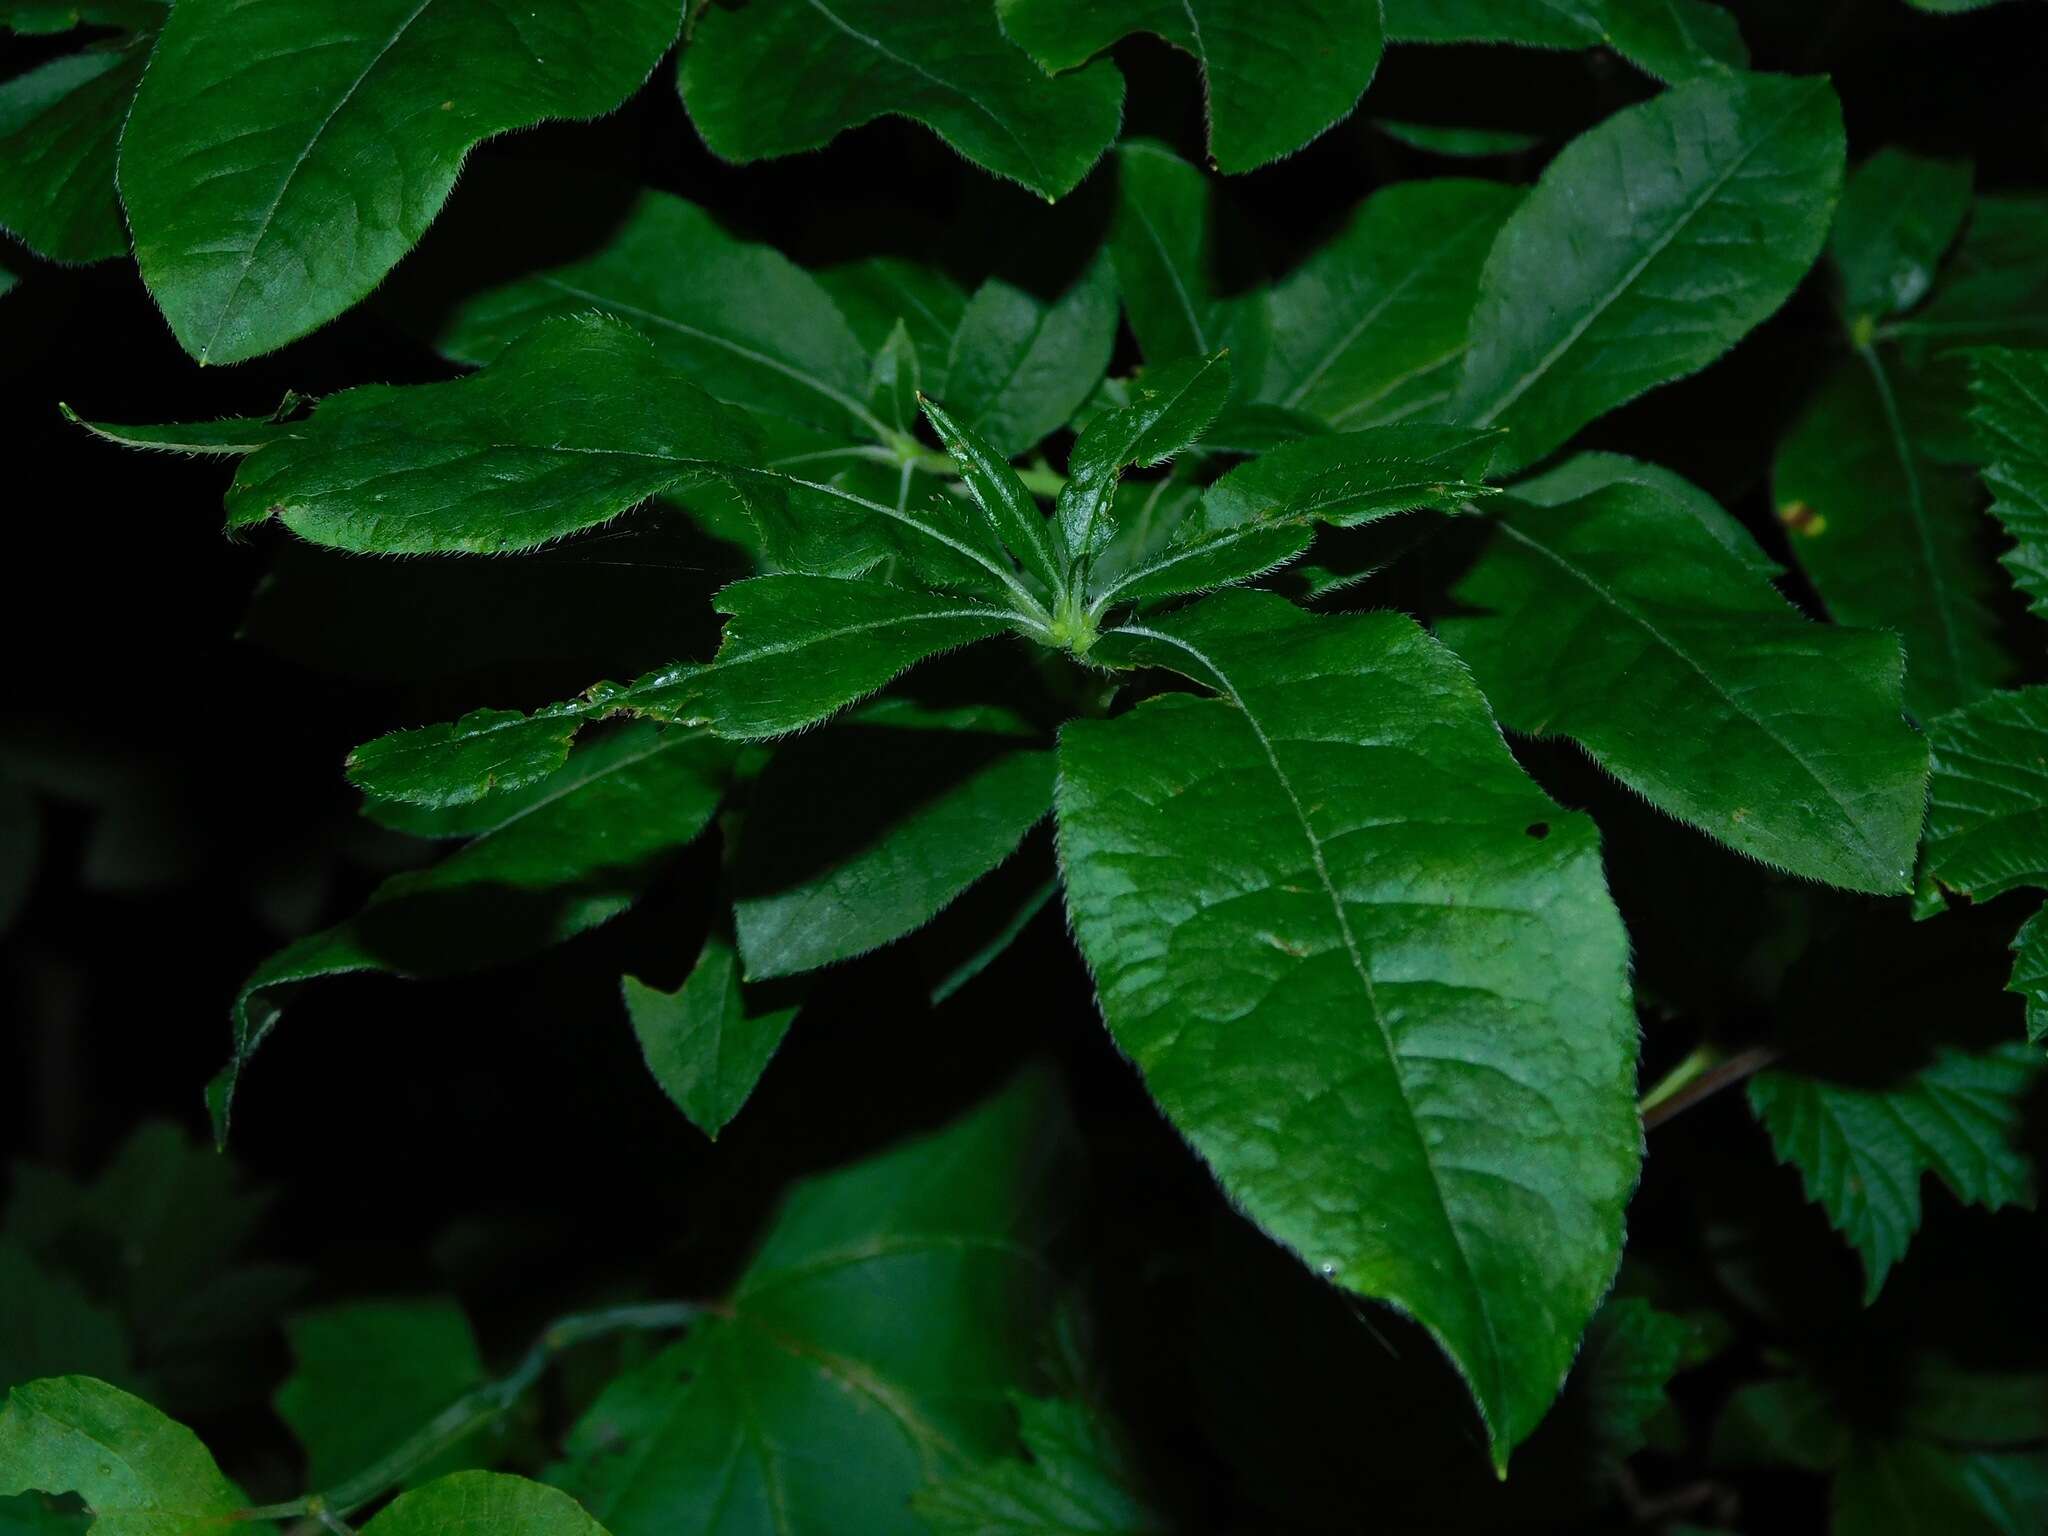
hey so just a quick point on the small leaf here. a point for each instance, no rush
(864, 834)
(1012, 513)
(875, 294)
(279, 161)
(1659, 209)
(234, 435)
(703, 1042)
(573, 424)
(895, 381)
(1900, 213)
(59, 125)
(1863, 1151)
(946, 65)
(800, 648)
(868, 1348)
(367, 1375)
(1621, 621)
(1170, 407)
(1351, 947)
(1162, 241)
(1274, 78)
(140, 1473)
(1632, 1352)
(483, 1504)
(2030, 974)
(1019, 369)
(1458, 143)
(1987, 824)
(2010, 391)
(1080, 1481)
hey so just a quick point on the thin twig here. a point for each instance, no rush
(1669, 1099)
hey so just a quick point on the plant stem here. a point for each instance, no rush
(1700, 1076)
(474, 1410)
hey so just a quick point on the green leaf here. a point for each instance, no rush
(1619, 620)
(800, 648)
(896, 381)
(1274, 78)
(1171, 405)
(59, 125)
(740, 321)
(867, 1349)
(1862, 1151)
(1080, 1481)
(1259, 516)
(2010, 391)
(33, 18)
(1905, 1487)
(1013, 515)
(1584, 473)
(1994, 286)
(573, 424)
(55, 1328)
(367, 1375)
(567, 857)
(1641, 255)
(2030, 974)
(1900, 213)
(1632, 1352)
(140, 1473)
(1162, 240)
(1674, 40)
(1019, 369)
(1371, 328)
(864, 834)
(836, 66)
(1888, 537)
(1987, 825)
(483, 1504)
(704, 1043)
(234, 435)
(1457, 143)
(874, 294)
(279, 161)
(1370, 971)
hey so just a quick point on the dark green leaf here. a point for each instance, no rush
(1457, 143)
(867, 1349)
(367, 1375)
(1371, 328)
(278, 161)
(54, 1328)
(574, 423)
(896, 382)
(1273, 77)
(1888, 537)
(1863, 1150)
(1019, 369)
(1900, 213)
(862, 835)
(1672, 39)
(59, 125)
(1632, 1352)
(704, 1043)
(1994, 286)
(1079, 1482)
(567, 857)
(739, 320)
(1650, 246)
(1162, 240)
(836, 66)
(873, 295)
(1621, 621)
(1584, 473)
(2010, 390)
(2030, 974)
(1987, 827)
(1352, 948)
(1171, 405)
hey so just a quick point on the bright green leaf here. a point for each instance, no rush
(1352, 948)
(704, 1043)
(836, 66)
(1900, 213)
(1273, 77)
(1584, 473)
(1171, 405)
(1862, 1151)
(1019, 369)
(573, 424)
(233, 436)
(1012, 513)
(866, 1351)
(863, 834)
(483, 1504)
(2010, 390)
(1620, 621)
(1651, 245)
(280, 159)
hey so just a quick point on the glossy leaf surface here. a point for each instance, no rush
(1370, 971)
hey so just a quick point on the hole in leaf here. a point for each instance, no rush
(1538, 830)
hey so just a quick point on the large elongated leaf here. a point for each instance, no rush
(59, 125)
(1888, 536)
(739, 320)
(570, 854)
(1671, 39)
(704, 1042)
(781, 76)
(1371, 328)
(576, 422)
(1273, 76)
(1018, 369)
(1639, 257)
(1370, 971)
(866, 1350)
(2011, 418)
(800, 648)
(1863, 1150)
(1619, 620)
(280, 159)
(863, 834)
(140, 1473)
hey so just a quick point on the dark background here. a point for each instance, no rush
(183, 704)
